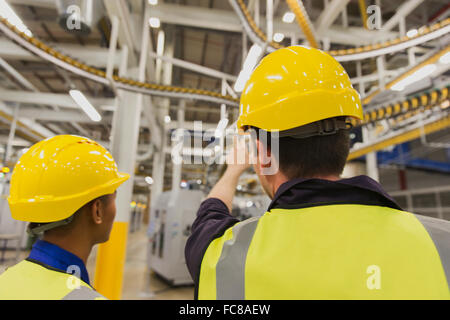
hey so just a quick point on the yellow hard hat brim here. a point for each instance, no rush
(60, 208)
(291, 112)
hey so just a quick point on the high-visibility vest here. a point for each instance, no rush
(31, 281)
(329, 252)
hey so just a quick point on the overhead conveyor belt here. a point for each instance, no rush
(425, 34)
(42, 50)
(433, 59)
(399, 138)
(406, 108)
(47, 53)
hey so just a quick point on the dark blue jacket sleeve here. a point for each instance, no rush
(213, 218)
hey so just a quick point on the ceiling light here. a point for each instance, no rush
(249, 64)
(153, 2)
(149, 180)
(167, 119)
(416, 76)
(445, 59)
(84, 104)
(288, 17)
(8, 13)
(412, 33)
(154, 22)
(278, 37)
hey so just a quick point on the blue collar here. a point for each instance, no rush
(58, 258)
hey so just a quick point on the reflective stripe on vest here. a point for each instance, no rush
(83, 293)
(330, 252)
(230, 270)
(439, 233)
(32, 281)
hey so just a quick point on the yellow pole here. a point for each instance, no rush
(362, 9)
(111, 261)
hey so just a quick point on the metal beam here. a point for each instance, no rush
(226, 20)
(329, 15)
(397, 138)
(35, 3)
(59, 99)
(31, 131)
(405, 9)
(93, 55)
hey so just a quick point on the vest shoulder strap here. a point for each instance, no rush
(439, 231)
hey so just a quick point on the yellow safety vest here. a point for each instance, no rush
(329, 252)
(32, 281)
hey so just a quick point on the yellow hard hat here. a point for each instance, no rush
(295, 86)
(59, 175)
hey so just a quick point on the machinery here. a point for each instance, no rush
(171, 219)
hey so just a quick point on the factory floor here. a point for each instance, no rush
(138, 282)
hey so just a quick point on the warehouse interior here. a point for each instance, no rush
(148, 68)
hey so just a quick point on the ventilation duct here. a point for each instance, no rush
(79, 16)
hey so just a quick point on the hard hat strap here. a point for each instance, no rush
(319, 128)
(47, 226)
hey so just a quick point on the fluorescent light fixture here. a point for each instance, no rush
(412, 33)
(167, 119)
(153, 2)
(249, 64)
(154, 22)
(278, 37)
(84, 104)
(149, 180)
(416, 76)
(8, 13)
(288, 17)
(445, 59)
(160, 43)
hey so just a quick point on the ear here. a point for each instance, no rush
(264, 156)
(96, 211)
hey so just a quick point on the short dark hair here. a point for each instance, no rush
(314, 156)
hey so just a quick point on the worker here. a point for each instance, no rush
(65, 187)
(322, 237)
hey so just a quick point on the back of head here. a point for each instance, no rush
(306, 97)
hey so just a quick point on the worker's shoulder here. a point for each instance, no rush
(32, 280)
(9, 271)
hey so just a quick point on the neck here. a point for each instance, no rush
(78, 245)
(281, 178)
